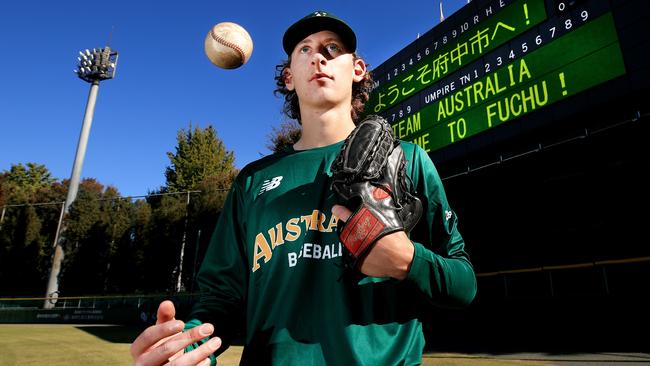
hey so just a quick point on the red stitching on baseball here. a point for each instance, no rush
(226, 43)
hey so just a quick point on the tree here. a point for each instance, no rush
(117, 219)
(28, 178)
(200, 154)
(204, 211)
(164, 239)
(20, 183)
(96, 225)
(286, 135)
(27, 233)
(130, 254)
(81, 265)
(201, 162)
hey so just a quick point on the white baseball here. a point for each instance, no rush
(228, 45)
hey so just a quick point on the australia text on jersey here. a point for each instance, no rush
(289, 231)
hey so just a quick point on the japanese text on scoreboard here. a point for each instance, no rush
(506, 60)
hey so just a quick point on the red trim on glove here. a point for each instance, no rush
(361, 231)
(381, 193)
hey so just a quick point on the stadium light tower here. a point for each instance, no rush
(94, 66)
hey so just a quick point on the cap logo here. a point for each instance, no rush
(320, 13)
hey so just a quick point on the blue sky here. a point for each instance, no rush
(164, 81)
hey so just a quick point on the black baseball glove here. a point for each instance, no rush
(369, 176)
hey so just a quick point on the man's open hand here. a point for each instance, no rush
(164, 342)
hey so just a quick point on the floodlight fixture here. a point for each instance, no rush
(97, 65)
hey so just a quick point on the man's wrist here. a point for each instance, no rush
(403, 257)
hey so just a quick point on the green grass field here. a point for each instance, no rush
(70, 345)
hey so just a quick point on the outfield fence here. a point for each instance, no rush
(599, 278)
(125, 309)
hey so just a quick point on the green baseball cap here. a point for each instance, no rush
(316, 22)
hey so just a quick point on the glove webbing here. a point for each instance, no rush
(372, 162)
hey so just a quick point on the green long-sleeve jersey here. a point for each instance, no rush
(274, 262)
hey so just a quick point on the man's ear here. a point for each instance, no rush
(288, 79)
(360, 70)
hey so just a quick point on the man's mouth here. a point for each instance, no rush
(319, 75)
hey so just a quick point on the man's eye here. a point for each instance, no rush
(304, 49)
(333, 48)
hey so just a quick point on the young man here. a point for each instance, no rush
(274, 263)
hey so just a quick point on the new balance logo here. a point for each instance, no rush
(447, 215)
(270, 184)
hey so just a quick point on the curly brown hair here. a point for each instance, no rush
(360, 92)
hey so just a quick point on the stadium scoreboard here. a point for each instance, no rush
(492, 63)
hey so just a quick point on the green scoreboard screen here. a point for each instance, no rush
(493, 62)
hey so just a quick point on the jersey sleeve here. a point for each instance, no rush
(441, 268)
(223, 274)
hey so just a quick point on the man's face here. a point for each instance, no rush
(322, 71)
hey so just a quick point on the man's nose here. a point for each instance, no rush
(318, 58)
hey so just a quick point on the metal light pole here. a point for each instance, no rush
(179, 280)
(94, 66)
